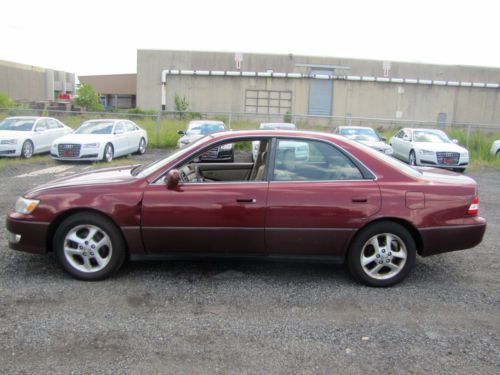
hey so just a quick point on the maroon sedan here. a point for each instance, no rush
(307, 196)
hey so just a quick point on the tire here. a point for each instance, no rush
(412, 159)
(108, 153)
(459, 170)
(27, 149)
(378, 265)
(142, 147)
(89, 246)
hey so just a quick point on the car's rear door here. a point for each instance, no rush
(315, 205)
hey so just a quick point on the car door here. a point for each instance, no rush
(41, 136)
(54, 129)
(315, 204)
(120, 139)
(217, 217)
(134, 136)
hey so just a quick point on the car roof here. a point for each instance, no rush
(293, 133)
(355, 127)
(107, 119)
(425, 129)
(206, 122)
(27, 117)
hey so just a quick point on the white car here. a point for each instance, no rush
(301, 149)
(495, 148)
(366, 136)
(101, 140)
(25, 136)
(197, 129)
(430, 148)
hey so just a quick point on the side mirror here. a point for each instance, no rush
(455, 141)
(406, 138)
(181, 132)
(384, 139)
(40, 130)
(172, 179)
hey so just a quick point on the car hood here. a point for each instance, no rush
(186, 139)
(12, 134)
(446, 147)
(83, 138)
(375, 144)
(105, 176)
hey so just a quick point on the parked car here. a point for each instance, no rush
(347, 202)
(495, 148)
(366, 136)
(26, 136)
(101, 140)
(197, 129)
(300, 152)
(429, 147)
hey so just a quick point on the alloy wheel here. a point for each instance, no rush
(383, 256)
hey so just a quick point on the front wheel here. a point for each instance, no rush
(412, 158)
(382, 254)
(27, 149)
(89, 247)
(142, 147)
(108, 153)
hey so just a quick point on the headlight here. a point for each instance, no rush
(226, 147)
(427, 152)
(91, 145)
(8, 142)
(26, 206)
(389, 151)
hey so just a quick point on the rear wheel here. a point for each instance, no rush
(108, 153)
(89, 246)
(27, 149)
(412, 158)
(382, 254)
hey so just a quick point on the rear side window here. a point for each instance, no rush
(304, 160)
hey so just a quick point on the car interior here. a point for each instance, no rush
(320, 162)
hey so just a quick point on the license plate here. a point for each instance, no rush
(448, 161)
(68, 153)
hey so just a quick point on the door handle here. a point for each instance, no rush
(247, 200)
(359, 199)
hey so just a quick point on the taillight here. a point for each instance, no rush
(474, 207)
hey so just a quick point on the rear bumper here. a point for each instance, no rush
(28, 236)
(439, 240)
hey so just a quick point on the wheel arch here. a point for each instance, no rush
(415, 234)
(64, 215)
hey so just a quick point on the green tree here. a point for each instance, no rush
(87, 98)
(5, 101)
(181, 105)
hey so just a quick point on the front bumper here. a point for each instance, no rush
(28, 236)
(439, 240)
(89, 157)
(447, 163)
(10, 150)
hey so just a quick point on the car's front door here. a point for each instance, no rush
(120, 139)
(41, 136)
(316, 203)
(203, 215)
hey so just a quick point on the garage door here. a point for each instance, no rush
(321, 94)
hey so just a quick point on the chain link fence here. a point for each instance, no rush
(162, 126)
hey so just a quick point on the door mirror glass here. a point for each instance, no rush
(172, 179)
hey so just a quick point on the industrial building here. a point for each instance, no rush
(27, 83)
(317, 86)
(117, 91)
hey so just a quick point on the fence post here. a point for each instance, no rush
(158, 115)
(468, 136)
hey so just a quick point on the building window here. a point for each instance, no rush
(268, 102)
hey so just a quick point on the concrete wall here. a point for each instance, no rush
(354, 98)
(30, 83)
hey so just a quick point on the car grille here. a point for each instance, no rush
(69, 150)
(211, 154)
(448, 158)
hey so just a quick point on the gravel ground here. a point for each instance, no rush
(249, 317)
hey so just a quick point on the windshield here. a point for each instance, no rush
(432, 136)
(17, 124)
(204, 129)
(277, 126)
(360, 134)
(95, 127)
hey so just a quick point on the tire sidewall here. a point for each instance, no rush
(139, 150)
(110, 146)
(414, 158)
(118, 245)
(353, 257)
(32, 149)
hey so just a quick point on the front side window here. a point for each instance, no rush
(53, 124)
(303, 160)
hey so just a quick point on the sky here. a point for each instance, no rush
(102, 37)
